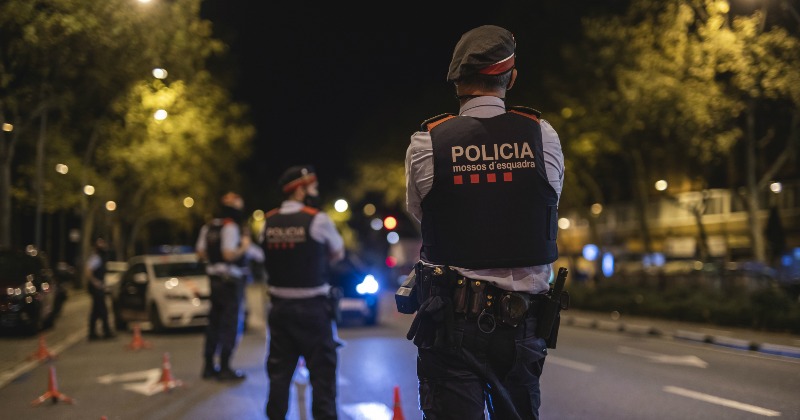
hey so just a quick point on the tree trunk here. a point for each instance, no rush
(753, 198)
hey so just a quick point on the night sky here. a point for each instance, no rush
(331, 83)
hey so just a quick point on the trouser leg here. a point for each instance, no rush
(214, 319)
(321, 360)
(281, 362)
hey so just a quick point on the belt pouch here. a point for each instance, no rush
(460, 296)
(477, 297)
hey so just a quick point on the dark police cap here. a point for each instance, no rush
(486, 49)
(296, 176)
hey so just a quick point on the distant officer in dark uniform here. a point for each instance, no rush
(96, 273)
(300, 242)
(223, 246)
(485, 185)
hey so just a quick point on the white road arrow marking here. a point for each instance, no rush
(147, 377)
(687, 360)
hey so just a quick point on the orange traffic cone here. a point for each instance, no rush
(138, 342)
(398, 410)
(167, 381)
(52, 391)
(42, 353)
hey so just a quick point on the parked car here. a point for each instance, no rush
(360, 286)
(114, 270)
(30, 296)
(168, 290)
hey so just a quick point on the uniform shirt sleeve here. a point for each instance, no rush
(419, 172)
(200, 246)
(323, 230)
(553, 157)
(230, 237)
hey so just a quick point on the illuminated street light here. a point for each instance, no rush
(776, 187)
(62, 169)
(564, 223)
(340, 205)
(88, 189)
(8, 127)
(160, 115)
(159, 73)
(661, 185)
(188, 202)
(597, 208)
(111, 206)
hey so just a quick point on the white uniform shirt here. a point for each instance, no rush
(321, 230)
(419, 180)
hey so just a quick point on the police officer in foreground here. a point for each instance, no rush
(300, 243)
(485, 186)
(223, 246)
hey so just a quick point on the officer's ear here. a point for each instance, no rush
(513, 79)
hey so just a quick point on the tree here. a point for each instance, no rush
(66, 68)
(661, 89)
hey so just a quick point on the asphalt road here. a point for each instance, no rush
(593, 374)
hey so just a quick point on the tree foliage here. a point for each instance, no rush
(75, 76)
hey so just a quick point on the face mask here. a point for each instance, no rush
(232, 213)
(312, 201)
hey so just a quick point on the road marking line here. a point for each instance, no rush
(687, 360)
(570, 364)
(721, 401)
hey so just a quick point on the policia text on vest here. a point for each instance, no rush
(413, 295)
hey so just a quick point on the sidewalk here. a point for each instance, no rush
(738, 338)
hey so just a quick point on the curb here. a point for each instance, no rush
(723, 341)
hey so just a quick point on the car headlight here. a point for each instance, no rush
(173, 291)
(368, 286)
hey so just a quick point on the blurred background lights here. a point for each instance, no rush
(590, 252)
(661, 185)
(188, 202)
(376, 224)
(392, 238)
(563, 223)
(340, 205)
(88, 189)
(111, 206)
(368, 286)
(8, 127)
(391, 261)
(607, 264)
(258, 215)
(159, 73)
(596, 208)
(62, 169)
(369, 209)
(776, 187)
(160, 115)
(389, 222)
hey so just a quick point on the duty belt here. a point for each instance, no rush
(476, 299)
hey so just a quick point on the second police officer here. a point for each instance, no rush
(300, 243)
(223, 246)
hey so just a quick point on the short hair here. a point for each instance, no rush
(485, 81)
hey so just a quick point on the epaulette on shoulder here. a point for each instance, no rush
(428, 124)
(526, 112)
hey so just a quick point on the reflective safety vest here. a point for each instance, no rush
(490, 205)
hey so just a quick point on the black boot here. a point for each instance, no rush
(225, 371)
(210, 371)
